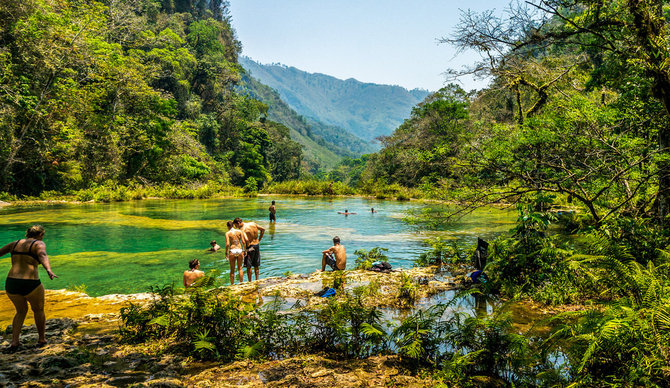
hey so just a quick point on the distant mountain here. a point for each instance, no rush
(323, 146)
(367, 110)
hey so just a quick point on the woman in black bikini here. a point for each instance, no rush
(23, 284)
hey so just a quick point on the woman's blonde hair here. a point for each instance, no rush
(35, 231)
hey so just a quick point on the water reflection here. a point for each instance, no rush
(271, 230)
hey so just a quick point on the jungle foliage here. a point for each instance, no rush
(574, 129)
(129, 92)
(459, 348)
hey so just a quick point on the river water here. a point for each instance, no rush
(128, 247)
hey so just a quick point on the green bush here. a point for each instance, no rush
(364, 258)
(442, 252)
(309, 187)
(250, 185)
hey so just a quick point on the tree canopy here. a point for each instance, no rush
(128, 91)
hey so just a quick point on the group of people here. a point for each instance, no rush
(24, 288)
(242, 249)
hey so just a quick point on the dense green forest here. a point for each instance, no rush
(129, 92)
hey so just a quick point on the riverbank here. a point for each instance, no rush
(214, 189)
(84, 347)
(76, 305)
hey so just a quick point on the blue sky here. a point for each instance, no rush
(388, 42)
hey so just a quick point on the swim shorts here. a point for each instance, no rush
(330, 260)
(253, 257)
(272, 217)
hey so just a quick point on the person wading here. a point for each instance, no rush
(235, 241)
(253, 255)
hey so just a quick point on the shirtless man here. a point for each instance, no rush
(193, 273)
(335, 256)
(215, 247)
(272, 211)
(252, 257)
(235, 241)
(346, 212)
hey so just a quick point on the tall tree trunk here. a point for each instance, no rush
(651, 35)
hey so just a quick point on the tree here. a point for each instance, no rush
(425, 144)
(629, 34)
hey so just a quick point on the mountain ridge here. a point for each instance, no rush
(337, 102)
(323, 146)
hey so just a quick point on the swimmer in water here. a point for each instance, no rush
(215, 247)
(193, 274)
(345, 212)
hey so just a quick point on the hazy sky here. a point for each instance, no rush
(381, 41)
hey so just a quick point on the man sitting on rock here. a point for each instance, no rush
(335, 256)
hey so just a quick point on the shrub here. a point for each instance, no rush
(250, 185)
(364, 258)
(443, 251)
(408, 291)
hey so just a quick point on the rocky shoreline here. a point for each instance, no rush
(84, 350)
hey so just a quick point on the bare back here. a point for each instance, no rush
(191, 276)
(234, 239)
(340, 256)
(25, 265)
(250, 230)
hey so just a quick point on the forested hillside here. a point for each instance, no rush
(129, 92)
(323, 146)
(366, 110)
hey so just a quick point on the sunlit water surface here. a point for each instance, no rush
(129, 247)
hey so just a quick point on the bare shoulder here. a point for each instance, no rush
(40, 245)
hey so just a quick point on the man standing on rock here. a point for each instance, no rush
(252, 257)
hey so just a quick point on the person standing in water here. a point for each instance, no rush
(252, 256)
(272, 211)
(193, 274)
(335, 256)
(235, 241)
(23, 284)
